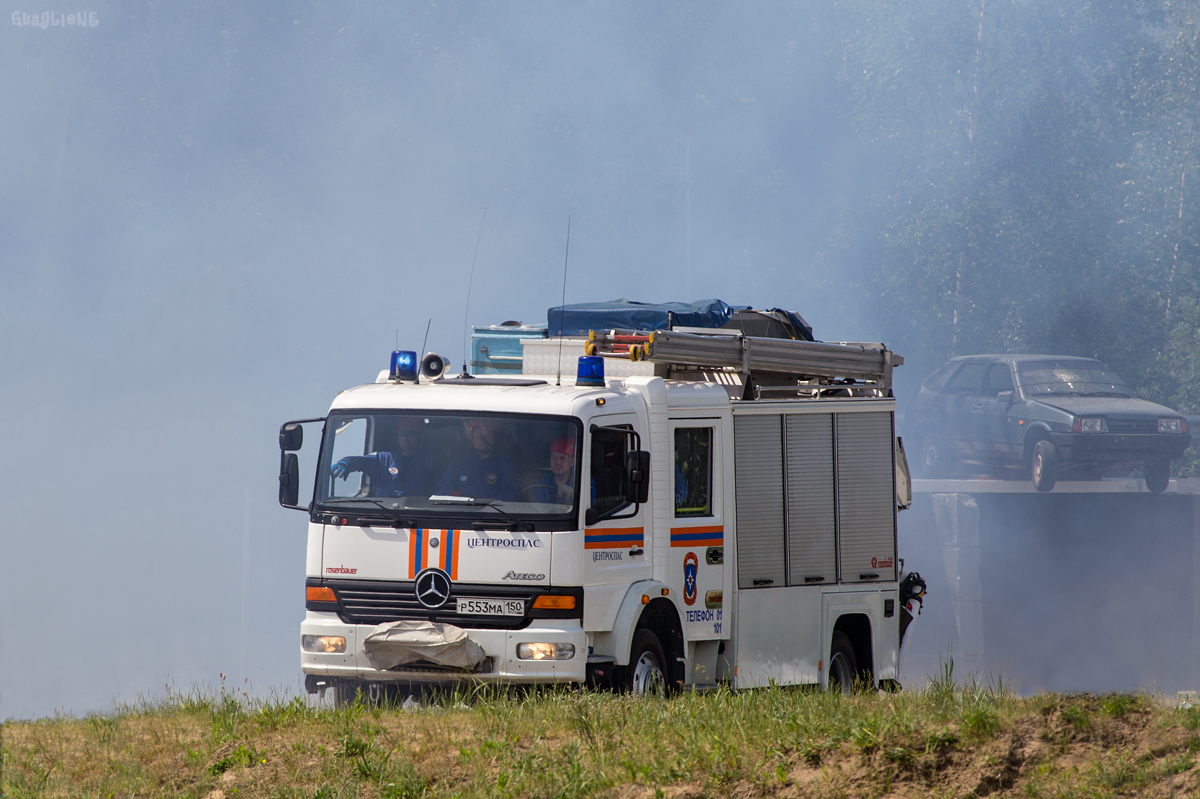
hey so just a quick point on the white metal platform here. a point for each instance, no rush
(1094, 586)
(1118, 485)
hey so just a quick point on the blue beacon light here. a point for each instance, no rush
(591, 371)
(404, 365)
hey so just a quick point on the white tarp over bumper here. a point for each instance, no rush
(401, 642)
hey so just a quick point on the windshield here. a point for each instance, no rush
(1070, 378)
(497, 467)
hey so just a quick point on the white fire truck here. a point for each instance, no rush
(719, 509)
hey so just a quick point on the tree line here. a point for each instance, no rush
(1041, 191)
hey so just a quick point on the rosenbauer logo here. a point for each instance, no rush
(339, 570)
(881, 563)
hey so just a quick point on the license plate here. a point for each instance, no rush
(491, 607)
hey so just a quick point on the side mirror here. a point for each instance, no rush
(590, 517)
(637, 476)
(289, 479)
(1005, 396)
(291, 437)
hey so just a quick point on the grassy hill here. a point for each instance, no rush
(944, 741)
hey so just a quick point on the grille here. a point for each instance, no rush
(1133, 425)
(363, 602)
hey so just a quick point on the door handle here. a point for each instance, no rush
(636, 551)
(977, 405)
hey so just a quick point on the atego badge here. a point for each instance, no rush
(433, 588)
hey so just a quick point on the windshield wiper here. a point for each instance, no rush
(493, 504)
(403, 521)
(496, 507)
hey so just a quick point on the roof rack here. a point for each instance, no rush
(766, 365)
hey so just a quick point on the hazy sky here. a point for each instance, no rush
(213, 217)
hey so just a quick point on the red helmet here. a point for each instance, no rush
(564, 445)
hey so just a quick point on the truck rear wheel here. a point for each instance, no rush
(1158, 475)
(1043, 467)
(646, 673)
(842, 665)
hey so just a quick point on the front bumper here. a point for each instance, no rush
(1112, 449)
(500, 647)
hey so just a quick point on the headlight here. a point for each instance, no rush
(545, 651)
(1093, 426)
(1170, 425)
(329, 644)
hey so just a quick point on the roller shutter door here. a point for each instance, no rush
(865, 497)
(810, 503)
(758, 466)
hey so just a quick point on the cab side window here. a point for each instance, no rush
(693, 471)
(608, 470)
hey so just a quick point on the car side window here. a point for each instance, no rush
(966, 380)
(937, 381)
(999, 379)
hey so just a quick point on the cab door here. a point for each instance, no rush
(696, 570)
(615, 542)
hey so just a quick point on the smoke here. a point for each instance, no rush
(217, 217)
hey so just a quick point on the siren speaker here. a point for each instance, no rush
(433, 365)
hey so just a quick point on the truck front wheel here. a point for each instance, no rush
(646, 673)
(347, 692)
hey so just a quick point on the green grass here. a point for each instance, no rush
(947, 740)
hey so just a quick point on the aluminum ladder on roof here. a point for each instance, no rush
(824, 362)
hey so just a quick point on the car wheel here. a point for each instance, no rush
(842, 665)
(1044, 465)
(936, 460)
(646, 674)
(1158, 475)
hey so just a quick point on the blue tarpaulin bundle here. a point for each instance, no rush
(623, 314)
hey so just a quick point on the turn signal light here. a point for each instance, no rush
(554, 602)
(318, 593)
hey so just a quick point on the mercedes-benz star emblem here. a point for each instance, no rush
(433, 588)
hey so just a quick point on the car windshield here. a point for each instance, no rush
(1070, 378)
(501, 467)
